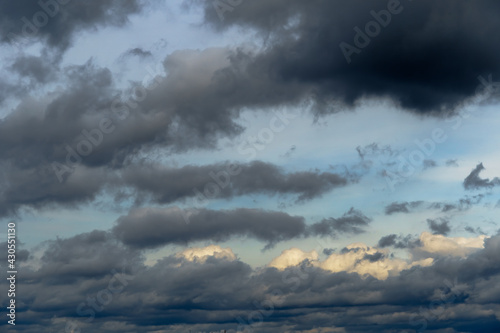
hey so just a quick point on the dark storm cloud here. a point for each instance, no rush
(439, 226)
(181, 295)
(407, 60)
(401, 207)
(474, 182)
(57, 21)
(148, 227)
(352, 222)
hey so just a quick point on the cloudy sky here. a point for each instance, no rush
(251, 165)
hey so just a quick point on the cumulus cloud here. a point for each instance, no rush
(292, 257)
(365, 260)
(448, 246)
(203, 253)
(354, 258)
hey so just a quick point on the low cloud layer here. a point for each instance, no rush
(211, 289)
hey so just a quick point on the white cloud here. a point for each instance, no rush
(362, 259)
(292, 257)
(452, 246)
(359, 258)
(201, 254)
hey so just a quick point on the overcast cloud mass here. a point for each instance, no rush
(250, 166)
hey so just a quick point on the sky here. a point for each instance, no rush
(250, 165)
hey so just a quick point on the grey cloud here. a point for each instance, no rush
(226, 180)
(374, 257)
(399, 242)
(138, 52)
(39, 187)
(476, 230)
(452, 162)
(473, 181)
(40, 69)
(57, 22)
(43, 133)
(401, 207)
(406, 207)
(328, 251)
(388, 240)
(88, 255)
(149, 227)
(37, 131)
(373, 149)
(429, 164)
(439, 226)
(462, 204)
(353, 222)
(189, 108)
